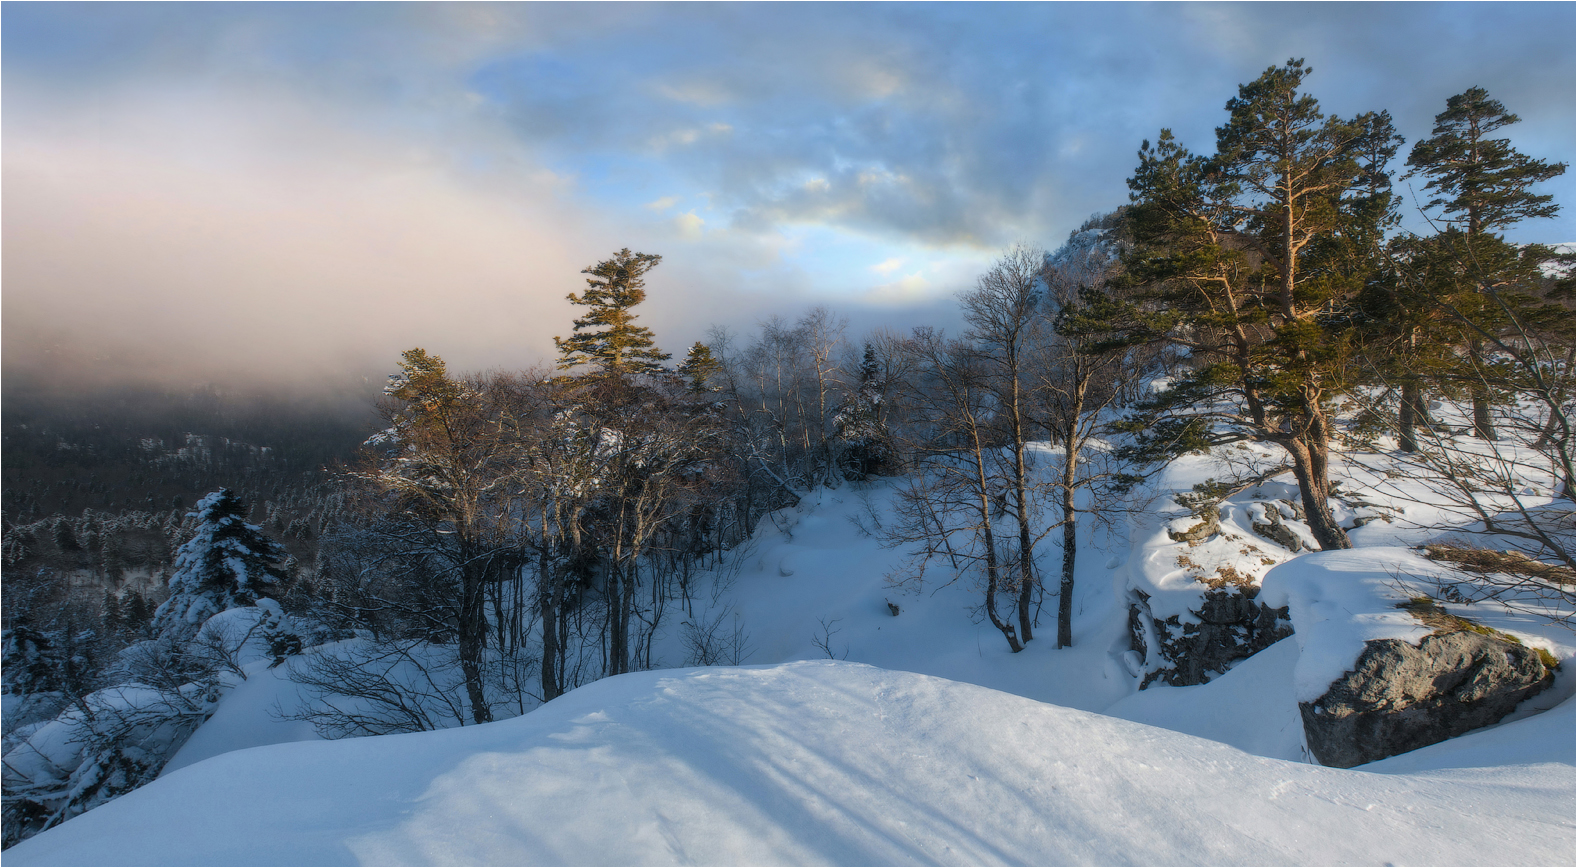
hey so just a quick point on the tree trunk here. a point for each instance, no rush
(1483, 423)
(1070, 550)
(983, 489)
(1309, 463)
(1412, 414)
(548, 584)
(473, 629)
(618, 640)
(1026, 551)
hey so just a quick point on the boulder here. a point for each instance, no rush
(1230, 626)
(1400, 697)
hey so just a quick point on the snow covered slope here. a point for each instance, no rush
(831, 763)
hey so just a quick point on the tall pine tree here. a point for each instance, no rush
(1253, 253)
(1481, 186)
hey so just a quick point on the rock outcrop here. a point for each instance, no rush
(1400, 697)
(1230, 626)
(1274, 528)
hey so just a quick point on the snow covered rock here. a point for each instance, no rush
(1228, 626)
(1383, 671)
(1400, 697)
(1267, 521)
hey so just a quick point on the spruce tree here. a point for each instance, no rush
(226, 564)
(698, 367)
(607, 335)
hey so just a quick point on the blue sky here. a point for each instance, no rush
(196, 186)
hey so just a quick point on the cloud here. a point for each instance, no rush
(281, 188)
(276, 263)
(906, 290)
(689, 224)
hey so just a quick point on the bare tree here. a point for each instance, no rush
(1009, 329)
(950, 508)
(1080, 374)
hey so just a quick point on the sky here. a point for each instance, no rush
(296, 193)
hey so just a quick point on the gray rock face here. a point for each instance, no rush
(1400, 697)
(1232, 625)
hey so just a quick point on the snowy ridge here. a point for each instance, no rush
(816, 762)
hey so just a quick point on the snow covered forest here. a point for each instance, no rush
(1256, 511)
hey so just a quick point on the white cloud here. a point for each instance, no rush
(887, 266)
(663, 204)
(689, 224)
(909, 289)
(702, 93)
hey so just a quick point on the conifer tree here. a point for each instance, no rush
(226, 564)
(1482, 185)
(1253, 254)
(698, 367)
(867, 446)
(607, 335)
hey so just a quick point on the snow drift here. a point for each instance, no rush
(828, 763)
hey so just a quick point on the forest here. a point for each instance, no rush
(496, 540)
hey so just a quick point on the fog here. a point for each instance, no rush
(287, 197)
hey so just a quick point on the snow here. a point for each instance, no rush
(819, 762)
(931, 742)
(1338, 601)
(1251, 707)
(246, 718)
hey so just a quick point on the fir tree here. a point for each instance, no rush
(698, 367)
(226, 564)
(607, 335)
(1481, 184)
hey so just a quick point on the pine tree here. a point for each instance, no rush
(607, 335)
(65, 540)
(226, 564)
(1254, 255)
(1481, 186)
